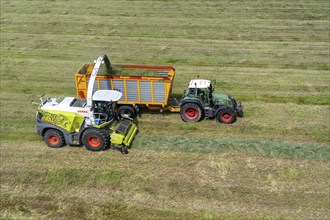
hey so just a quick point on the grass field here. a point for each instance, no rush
(271, 164)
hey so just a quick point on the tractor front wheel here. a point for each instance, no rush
(226, 116)
(54, 138)
(191, 112)
(95, 139)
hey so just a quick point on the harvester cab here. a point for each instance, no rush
(103, 107)
(199, 101)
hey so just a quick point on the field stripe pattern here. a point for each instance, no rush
(273, 163)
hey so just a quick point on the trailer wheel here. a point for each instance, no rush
(226, 116)
(95, 139)
(54, 138)
(191, 112)
(126, 111)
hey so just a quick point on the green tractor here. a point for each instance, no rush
(199, 101)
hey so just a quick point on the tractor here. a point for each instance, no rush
(199, 101)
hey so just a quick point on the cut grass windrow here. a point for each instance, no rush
(282, 149)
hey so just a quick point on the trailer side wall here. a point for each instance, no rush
(150, 91)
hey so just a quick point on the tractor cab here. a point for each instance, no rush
(203, 91)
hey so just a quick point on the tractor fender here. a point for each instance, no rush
(219, 108)
(199, 103)
(213, 111)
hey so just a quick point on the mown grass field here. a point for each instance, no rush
(271, 55)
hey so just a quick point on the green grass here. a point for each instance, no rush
(159, 184)
(271, 164)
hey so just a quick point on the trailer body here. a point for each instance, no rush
(141, 85)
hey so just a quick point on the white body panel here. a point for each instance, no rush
(68, 104)
(64, 105)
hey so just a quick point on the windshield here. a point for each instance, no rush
(78, 103)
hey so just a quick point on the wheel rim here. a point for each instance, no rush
(191, 113)
(226, 117)
(94, 141)
(53, 139)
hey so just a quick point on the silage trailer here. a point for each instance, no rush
(141, 85)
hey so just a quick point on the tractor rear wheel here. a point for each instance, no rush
(226, 116)
(95, 139)
(191, 112)
(54, 138)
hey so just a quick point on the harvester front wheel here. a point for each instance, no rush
(95, 139)
(54, 138)
(191, 112)
(226, 116)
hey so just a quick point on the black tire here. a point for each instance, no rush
(95, 139)
(191, 112)
(226, 116)
(54, 138)
(126, 111)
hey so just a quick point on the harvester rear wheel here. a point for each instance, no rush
(54, 138)
(226, 116)
(191, 112)
(95, 139)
